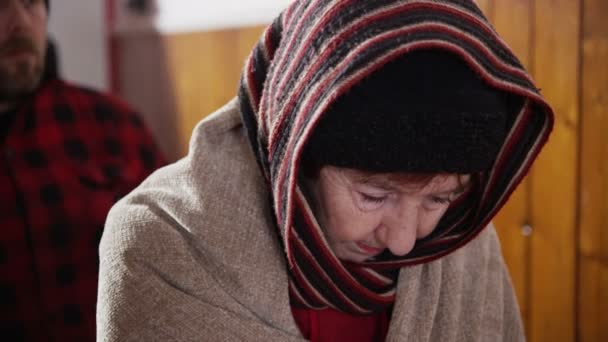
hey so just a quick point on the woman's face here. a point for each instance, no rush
(362, 214)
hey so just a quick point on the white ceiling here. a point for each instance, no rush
(171, 16)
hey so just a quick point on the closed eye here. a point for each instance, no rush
(441, 200)
(372, 199)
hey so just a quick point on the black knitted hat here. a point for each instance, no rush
(427, 111)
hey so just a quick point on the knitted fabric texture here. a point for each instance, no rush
(424, 112)
(315, 52)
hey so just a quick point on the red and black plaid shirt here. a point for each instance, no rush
(66, 157)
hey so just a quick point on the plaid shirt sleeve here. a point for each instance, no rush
(69, 155)
(127, 139)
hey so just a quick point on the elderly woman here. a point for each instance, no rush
(345, 195)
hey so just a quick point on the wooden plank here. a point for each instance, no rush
(554, 178)
(205, 69)
(204, 75)
(593, 198)
(486, 7)
(246, 39)
(512, 20)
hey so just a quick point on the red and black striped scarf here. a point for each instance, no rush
(314, 52)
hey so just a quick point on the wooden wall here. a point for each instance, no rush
(543, 262)
(177, 80)
(554, 230)
(592, 232)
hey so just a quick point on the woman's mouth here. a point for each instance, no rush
(369, 250)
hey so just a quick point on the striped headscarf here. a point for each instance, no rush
(314, 52)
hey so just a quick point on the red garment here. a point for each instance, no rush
(330, 325)
(66, 157)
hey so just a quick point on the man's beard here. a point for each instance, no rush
(19, 79)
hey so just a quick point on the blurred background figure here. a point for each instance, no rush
(67, 154)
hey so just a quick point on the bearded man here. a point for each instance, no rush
(67, 153)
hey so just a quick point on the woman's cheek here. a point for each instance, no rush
(430, 223)
(358, 227)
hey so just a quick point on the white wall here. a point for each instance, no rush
(174, 16)
(78, 27)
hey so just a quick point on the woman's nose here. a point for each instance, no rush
(401, 226)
